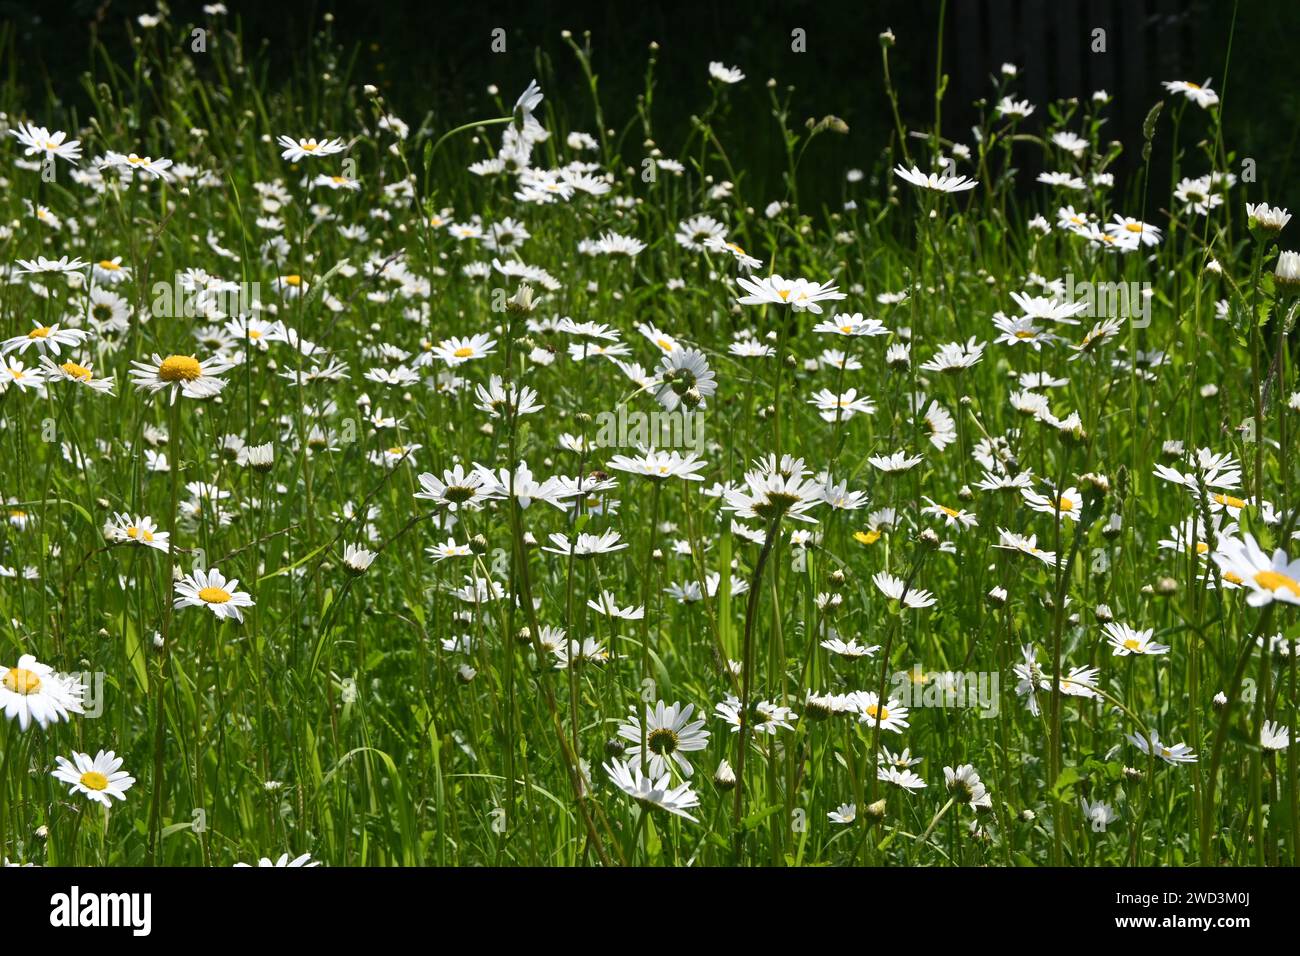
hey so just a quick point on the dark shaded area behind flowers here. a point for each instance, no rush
(435, 59)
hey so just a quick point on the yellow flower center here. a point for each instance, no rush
(463, 352)
(873, 711)
(1133, 226)
(1277, 581)
(1066, 504)
(948, 511)
(109, 266)
(22, 681)
(39, 333)
(1193, 86)
(179, 368)
(1229, 501)
(76, 371)
(1202, 547)
(94, 780)
(214, 595)
(294, 280)
(309, 147)
(866, 537)
(1232, 577)
(339, 180)
(783, 293)
(1132, 644)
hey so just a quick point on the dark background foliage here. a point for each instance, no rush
(435, 57)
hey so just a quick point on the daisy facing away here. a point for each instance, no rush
(99, 778)
(32, 691)
(210, 589)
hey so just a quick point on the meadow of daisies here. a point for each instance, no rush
(510, 489)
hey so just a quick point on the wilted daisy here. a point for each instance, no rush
(99, 778)
(210, 589)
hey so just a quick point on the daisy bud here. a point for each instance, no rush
(370, 90)
(998, 596)
(1103, 614)
(836, 579)
(887, 39)
(1132, 773)
(1166, 587)
(1113, 527)
(724, 778)
(876, 811)
(929, 538)
(1097, 483)
(1028, 815)
(478, 544)
(465, 673)
(965, 494)
(616, 748)
(524, 635)
(657, 556)
(818, 708)
(42, 833)
(1220, 700)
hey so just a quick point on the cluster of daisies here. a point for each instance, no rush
(894, 405)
